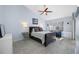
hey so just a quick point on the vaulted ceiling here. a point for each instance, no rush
(58, 10)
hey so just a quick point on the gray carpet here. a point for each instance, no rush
(30, 46)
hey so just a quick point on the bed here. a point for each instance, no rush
(43, 37)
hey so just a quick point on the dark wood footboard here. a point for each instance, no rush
(49, 38)
(36, 39)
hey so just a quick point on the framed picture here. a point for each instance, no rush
(34, 21)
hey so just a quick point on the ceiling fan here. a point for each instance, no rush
(45, 10)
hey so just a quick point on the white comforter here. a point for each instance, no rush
(40, 35)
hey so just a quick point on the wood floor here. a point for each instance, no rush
(29, 46)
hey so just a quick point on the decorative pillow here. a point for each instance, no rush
(40, 29)
(36, 29)
(33, 30)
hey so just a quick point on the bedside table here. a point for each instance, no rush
(58, 34)
(25, 35)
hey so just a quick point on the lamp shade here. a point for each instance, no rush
(24, 24)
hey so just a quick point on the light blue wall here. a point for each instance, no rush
(13, 15)
(1, 15)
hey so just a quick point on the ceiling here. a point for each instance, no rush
(58, 10)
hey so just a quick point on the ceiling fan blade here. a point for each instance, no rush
(45, 9)
(41, 11)
(49, 11)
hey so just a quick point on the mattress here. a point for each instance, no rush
(40, 35)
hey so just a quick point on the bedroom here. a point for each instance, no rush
(19, 19)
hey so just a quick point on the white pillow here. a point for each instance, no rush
(33, 30)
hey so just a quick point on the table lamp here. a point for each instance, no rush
(24, 25)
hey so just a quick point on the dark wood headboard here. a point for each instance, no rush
(31, 29)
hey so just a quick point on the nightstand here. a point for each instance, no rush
(25, 35)
(58, 34)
